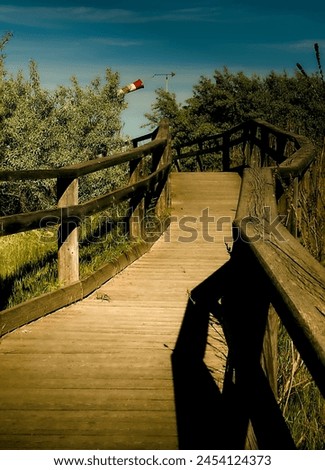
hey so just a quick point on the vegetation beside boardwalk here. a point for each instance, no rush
(295, 103)
(29, 260)
(51, 129)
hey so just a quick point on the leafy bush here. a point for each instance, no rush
(295, 103)
(44, 129)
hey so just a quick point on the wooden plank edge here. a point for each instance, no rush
(300, 308)
(75, 213)
(84, 168)
(305, 323)
(31, 310)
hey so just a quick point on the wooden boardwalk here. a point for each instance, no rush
(98, 374)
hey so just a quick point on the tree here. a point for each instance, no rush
(43, 129)
(227, 99)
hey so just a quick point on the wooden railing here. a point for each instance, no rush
(270, 275)
(147, 188)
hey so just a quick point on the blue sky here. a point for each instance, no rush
(142, 38)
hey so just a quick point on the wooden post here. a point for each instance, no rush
(293, 207)
(68, 247)
(163, 193)
(158, 197)
(254, 150)
(264, 160)
(247, 146)
(198, 158)
(269, 358)
(136, 207)
(226, 153)
(280, 148)
(177, 162)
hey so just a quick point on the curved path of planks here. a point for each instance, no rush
(98, 374)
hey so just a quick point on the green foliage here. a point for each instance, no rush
(295, 103)
(43, 129)
(167, 107)
(28, 266)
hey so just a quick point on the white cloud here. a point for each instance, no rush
(118, 42)
(301, 45)
(53, 16)
(190, 14)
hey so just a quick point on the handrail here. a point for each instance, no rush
(149, 167)
(281, 271)
(293, 165)
(75, 213)
(269, 267)
(296, 279)
(84, 168)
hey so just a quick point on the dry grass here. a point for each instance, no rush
(300, 400)
(312, 208)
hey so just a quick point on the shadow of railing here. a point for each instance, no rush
(270, 277)
(245, 413)
(198, 399)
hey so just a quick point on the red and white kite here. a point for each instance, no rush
(131, 87)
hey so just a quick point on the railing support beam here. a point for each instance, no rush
(68, 246)
(137, 203)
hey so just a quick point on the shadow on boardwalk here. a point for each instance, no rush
(203, 419)
(208, 418)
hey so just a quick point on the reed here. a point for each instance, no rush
(299, 398)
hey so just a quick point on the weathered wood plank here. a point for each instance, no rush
(68, 239)
(84, 399)
(38, 307)
(297, 279)
(34, 220)
(110, 355)
(84, 168)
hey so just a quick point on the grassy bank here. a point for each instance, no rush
(28, 261)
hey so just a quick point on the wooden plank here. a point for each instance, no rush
(33, 309)
(114, 441)
(36, 422)
(136, 203)
(86, 399)
(138, 383)
(84, 168)
(297, 279)
(109, 356)
(68, 239)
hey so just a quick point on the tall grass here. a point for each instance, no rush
(300, 400)
(28, 261)
(27, 266)
(312, 208)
